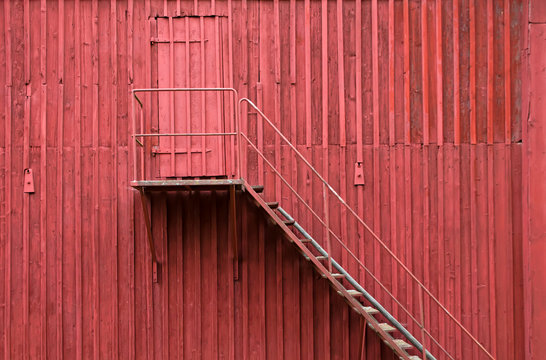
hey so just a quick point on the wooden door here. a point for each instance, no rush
(190, 55)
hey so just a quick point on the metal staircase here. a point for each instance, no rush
(388, 328)
(399, 338)
(362, 289)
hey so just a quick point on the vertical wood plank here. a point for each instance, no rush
(472, 90)
(78, 181)
(26, 164)
(341, 73)
(439, 74)
(130, 194)
(375, 131)
(440, 167)
(359, 124)
(507, 74)
(307, 31)
(8, 180)
(115, 186)
(456, 93)
(425, 71)
(60, 146)
(95, 181)
(490, 71)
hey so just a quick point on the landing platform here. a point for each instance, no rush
(187, 185)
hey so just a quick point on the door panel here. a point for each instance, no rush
(189, 54)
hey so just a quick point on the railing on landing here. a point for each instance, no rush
(337, 244)
(139, 167)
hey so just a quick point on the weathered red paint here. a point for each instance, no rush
(434, 116)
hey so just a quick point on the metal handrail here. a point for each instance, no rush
(334, 264)
(363, 223)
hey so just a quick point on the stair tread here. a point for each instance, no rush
(415, 357)
(258, 188)
(289, 222)
(354, 292)
(273, 204)
(320, 257)
(387, 327)
(305, 240)
(337, 276)
(402, 344)
(370, 310)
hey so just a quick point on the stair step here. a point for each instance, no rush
(289, 222)
(371, 310)
(258, 188)
(386, 327)
(402, 344)
(335, 276)
(273, 205)
(305, 240)
(415, 357)
(320, 258)
(354, 292)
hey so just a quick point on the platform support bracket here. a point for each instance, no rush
(148, 222)
(234, 237)
(363, 339)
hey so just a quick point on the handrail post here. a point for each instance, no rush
(327, 222)
(422, 325)
(133, 142)
(143, 150)
(237, 116)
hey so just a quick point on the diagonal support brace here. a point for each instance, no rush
(234, 237)
(147, 221)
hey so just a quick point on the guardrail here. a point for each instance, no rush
(138, 136)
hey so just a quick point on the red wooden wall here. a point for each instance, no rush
(435, 117)
(279, 308)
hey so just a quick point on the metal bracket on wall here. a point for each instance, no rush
(359, 173)
(28, 186)
(148, 222)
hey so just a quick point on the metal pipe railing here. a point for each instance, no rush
(377, 239)
(235, 133)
